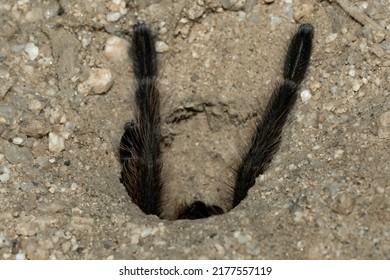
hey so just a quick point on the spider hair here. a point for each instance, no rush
(139, 150)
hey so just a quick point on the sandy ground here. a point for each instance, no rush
(326, 194)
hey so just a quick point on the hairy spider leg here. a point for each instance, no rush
(139, 151)
(267, 136)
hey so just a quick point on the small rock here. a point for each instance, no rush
(17, 141)
(305, 96)
(34, 251)
(114, 16)
(52, 9)
(249, 4)
(232, 5)
(161, 47)
(116, 49)
(26, 186)
(31, 50)
(331, 38)
(66, 246)
(4, 240)
(35, 106)
(384, 125)
(302, 11)
(5, 174)
(57, 115)
(29, 228)
(356, 85)
(35, 128)
(99, 81)
(226, 4)
(343, 204)
(275, 20)
(355, 58)
(15, 154)
(56, 142)
(338, 153)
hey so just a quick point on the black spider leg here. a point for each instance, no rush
(139, 151)
(267, 136)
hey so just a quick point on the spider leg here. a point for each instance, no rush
(139, 150)
(266, 139)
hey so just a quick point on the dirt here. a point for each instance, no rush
(326, 194)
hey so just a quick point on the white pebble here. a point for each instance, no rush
(331, 38)
(5, 174)
(116, 49)
(56, 142)
(384, 119)
(305, 96)
(356, 85)
(32, 50)
(338, 153)
(113, 16)
(161, 47)
(17, 140)
(99, 81)
(384, 125)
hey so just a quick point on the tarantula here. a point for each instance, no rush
(140, 153)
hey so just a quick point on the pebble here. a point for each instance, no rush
(57, 116)
(100, 80)
(4, 240)
(56, 142)
(242, 238)
(35, 106)
(386, 45)
(226, 4)
(26, 186)
(5, 174)
(249, 4)
(82, 224)
(305, 95)
(15, 154)
(17, 141)
(114, 16)
(32, 50)
(148, 231)
(161, 47)
(35, 128)
(384, 125)
(29, 228)
(356, 85)
(338, 153)
(331, 38)
(355, 58)
(34, 251)
(275, 20)
(116, 49)
(52, 9)
(233, 5)
(343, 204)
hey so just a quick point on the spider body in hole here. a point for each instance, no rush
(139, 150)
